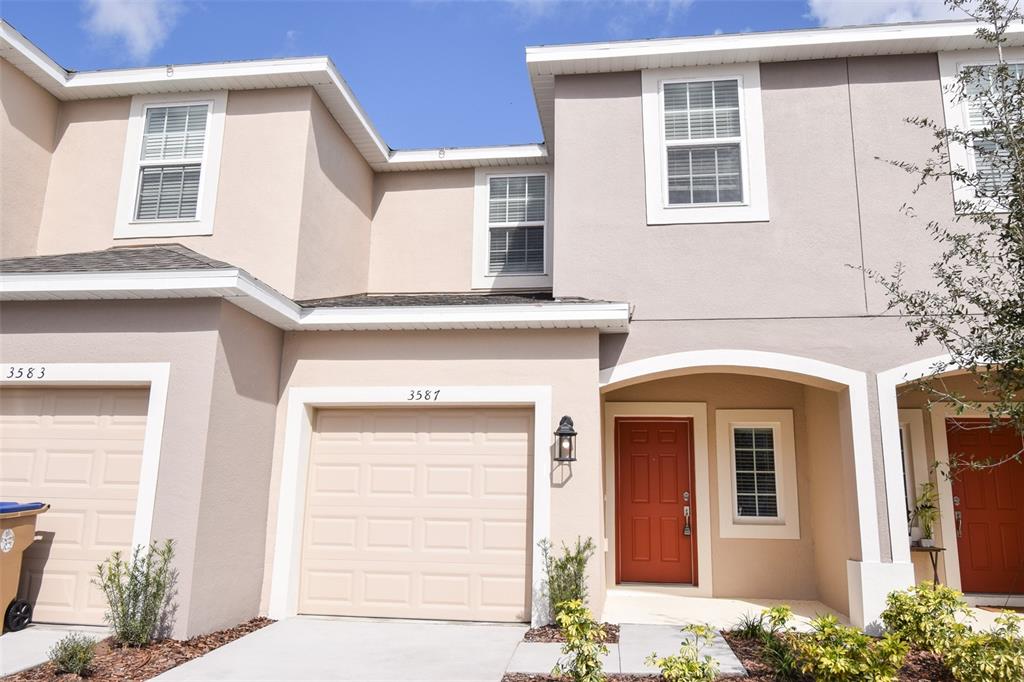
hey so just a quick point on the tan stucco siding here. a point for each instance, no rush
(786, 569)
(28, 128)
(565, 360)
(793, 265)
(337, 197)
(422, 237)
(218, 424)
(259, 198)
(231, 524)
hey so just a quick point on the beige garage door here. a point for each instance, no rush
(418, 514)
(80, 451)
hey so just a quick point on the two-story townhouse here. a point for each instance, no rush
(336, 373)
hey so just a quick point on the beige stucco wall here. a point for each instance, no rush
(812, 567)
(273, 141)
(218, 424)
(565, 360)
(337, 197)
(28, 122)
(422, 239)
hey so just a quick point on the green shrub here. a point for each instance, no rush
(993, 656)
(768, 623)
(836, 653)
(137, 591)
(925, 615)
(73, 654)
(689, 665)
(583, 643)
(567, 574)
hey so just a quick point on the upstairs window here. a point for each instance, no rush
(704, 145)
(172, 159)
(511, 236)
(515, 224)
(702, 142)
(990, 160)
(171, 162)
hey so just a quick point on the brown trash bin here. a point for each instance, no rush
(17, 532)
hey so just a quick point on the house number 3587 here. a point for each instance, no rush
(423, 394)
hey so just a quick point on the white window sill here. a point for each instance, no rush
(694, 215)
(178, 228)
(495, 282)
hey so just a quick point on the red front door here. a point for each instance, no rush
(988, 508)
(656, 542)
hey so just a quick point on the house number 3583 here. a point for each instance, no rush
(25, 372)
(423, 394)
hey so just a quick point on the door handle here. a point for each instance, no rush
(686, 520)
(959, 523)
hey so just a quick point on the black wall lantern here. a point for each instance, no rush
(565, 441)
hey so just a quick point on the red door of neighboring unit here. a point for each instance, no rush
(654, 485)
(988, 508)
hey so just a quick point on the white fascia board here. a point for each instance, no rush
(467, 156)
(608, 317)
(255, 297)
(788, 45)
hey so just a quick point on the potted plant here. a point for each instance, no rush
(926, 513)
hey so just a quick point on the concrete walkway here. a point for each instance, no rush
(636, 643)
(29, 647)
(310, 648)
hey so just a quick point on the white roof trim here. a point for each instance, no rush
(249, 294)
(546, 62)
(317, 72)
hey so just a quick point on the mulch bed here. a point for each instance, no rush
(920, 666)
(114, 662)
(553, 633)
(530, 677)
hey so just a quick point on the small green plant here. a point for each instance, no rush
(73, 654)
(926, 616)
(771, 628)
(690, 664)
(567, 574)
(837, 653)
(583, 646)
(993, 656)
(137, 591)
(926, 509)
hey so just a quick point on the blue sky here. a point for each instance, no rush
(429, 72)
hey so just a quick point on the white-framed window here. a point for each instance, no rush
(757, 477)
(704, 156)
(511, 234)
(912, 448)
(960, 113)
(171, 165)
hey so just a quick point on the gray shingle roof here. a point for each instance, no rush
(117, 259)
(412, 300)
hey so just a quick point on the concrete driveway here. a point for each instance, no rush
(29, 647)
(311, 648)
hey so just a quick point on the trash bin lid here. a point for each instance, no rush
(11, 507)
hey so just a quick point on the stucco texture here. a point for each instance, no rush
(811, 567)
(217, 436)
(565, 360)
(28, 122)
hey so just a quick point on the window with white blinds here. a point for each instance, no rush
(516, 224)
(703, 138)
(170, 162)
(754, 465)
(988, 155)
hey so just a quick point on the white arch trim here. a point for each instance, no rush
(892, 455)
(816, 370)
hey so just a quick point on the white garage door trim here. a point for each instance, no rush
(155, 375)
(284, 588)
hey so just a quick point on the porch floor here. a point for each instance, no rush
(651, 604)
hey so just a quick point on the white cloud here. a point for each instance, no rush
(859, 12)
(141, 26)
(622, 17)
